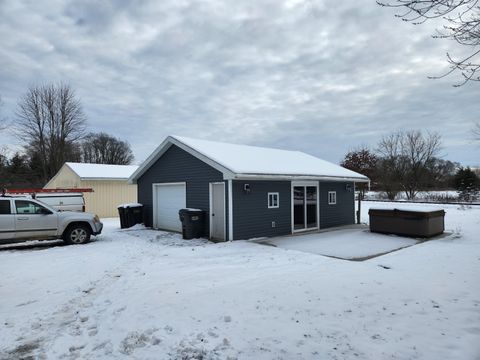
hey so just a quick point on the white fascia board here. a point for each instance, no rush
(297, 177)
(164, 146)
(104, 179)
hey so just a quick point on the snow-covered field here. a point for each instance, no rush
(421, 195)
(143, 294)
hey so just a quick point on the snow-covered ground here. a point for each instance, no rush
(143, 294)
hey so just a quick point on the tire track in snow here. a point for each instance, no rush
(70, 319)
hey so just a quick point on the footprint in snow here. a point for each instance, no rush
(135, 340)
(168, 329)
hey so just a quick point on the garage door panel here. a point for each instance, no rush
(169, 200)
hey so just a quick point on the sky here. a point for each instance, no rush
(321, 77)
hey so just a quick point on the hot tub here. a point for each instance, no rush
(423, 223)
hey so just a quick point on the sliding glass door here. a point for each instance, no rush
(305, 206)
(298, 207)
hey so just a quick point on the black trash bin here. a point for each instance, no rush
(121, 214)
(193, 223)
(130, 215)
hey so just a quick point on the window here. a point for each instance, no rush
(332, 197)
(28, 207)
(273, 200)
(5, 207)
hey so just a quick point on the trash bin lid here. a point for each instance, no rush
(129, 205)
(190, 211)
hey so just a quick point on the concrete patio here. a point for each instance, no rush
(354, 242)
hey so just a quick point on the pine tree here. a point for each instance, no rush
(467, 184)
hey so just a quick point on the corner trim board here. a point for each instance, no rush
(230, 210)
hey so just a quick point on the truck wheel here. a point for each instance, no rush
(77, 234)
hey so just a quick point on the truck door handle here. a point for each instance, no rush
(22, 218)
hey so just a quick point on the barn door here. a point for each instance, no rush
(217, 211)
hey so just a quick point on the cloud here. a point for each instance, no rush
(301, 75)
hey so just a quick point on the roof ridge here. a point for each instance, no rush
(178, 137)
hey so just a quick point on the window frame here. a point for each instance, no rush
(330, 200)
(9, 207)
(273, 195)
(44, 212)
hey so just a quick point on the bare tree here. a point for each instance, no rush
(461, 24)
(476, 131)
(408, 159)
(391, 164)
(50, 121)
(3, 121)
(102, 148)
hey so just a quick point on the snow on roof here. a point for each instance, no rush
(237, 161)
(102, 171)
(243, 159)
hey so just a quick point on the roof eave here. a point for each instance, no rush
(298, 177)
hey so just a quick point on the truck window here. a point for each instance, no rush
(27, 207)
(5, 207)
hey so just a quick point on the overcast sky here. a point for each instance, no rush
(317, 76)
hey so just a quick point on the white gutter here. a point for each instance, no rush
(100, 178)
(297, 177)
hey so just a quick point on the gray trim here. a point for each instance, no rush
(28, 230)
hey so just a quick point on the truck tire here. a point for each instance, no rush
(77, 234)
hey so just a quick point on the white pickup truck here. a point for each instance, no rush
(23, 219)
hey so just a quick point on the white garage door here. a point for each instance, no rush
(168, 199)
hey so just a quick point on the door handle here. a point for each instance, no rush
(22, 218)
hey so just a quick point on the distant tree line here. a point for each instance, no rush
(409, 162)
(51, 125)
